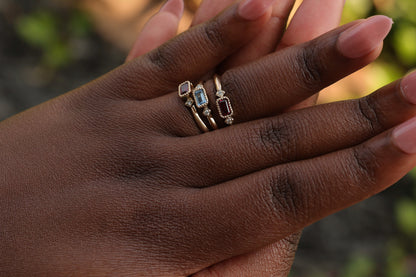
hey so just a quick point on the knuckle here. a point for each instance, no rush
(274, 136)
(213, 35)
(163, 58)
(368, 110)
(364, 167)
(285, 198)
(311, 65)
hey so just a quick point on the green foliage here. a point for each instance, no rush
(404, 43)
(38, 29)
(359, 266)
(79, 24)
(355, 9)
(395, 260)
(52, 34)
(406, 216)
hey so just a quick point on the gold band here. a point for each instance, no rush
(198, 120)
(202, 101)
(184, 92)
(223, 103)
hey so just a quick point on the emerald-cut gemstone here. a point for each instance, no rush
(200, 97)
(224, 107)
(184, 89)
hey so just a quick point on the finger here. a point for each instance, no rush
(279, 81)
(274, 260)
(209, 9)
(299, 135)
(266, 42)
(192, 54)
(160, 28)
(269, 205)
(312, 19)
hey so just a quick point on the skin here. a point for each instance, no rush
(115, 179)
(311, 20)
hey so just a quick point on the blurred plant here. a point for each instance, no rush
(51, 34)
(359, 266)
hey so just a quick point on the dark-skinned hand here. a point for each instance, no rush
(115, 179)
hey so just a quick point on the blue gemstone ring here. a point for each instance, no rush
(184, 92)
(201, 101)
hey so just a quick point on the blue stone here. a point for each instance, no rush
(200, 97)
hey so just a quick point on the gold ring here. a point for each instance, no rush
(184, 92)
(202, 101)
(223, 103)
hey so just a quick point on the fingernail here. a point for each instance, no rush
(361, 39)
(404, 136)
(175, 7)
(408, 87)
(253, 9)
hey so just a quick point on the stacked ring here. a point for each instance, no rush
(184, 91)
(201, 101)
(223, 103)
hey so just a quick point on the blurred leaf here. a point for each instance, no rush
(405, 42)
(395, 260)
(406, 216)
(80, 24)
(38, 29)
(356, 9)
(359, 266)
(406, 9)
(58, 55)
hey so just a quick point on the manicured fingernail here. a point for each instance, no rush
(404, 136)
(253, 9)
(408, 87)
(175, 7)
(361, 39)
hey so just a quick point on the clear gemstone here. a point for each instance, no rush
(207, 112)
(229, 121)
(220, 93)
(189, 102)
(200, 97)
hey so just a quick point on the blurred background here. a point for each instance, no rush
(49, 47)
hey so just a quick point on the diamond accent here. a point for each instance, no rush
(229, 121)
(207, 112)
(189, 102)
(220, 93)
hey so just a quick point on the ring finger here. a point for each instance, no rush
(279, 81)
(299, 135)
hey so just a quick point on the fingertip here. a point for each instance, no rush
(363, 38)
(175, 7)
(404, 136)
(254, 9)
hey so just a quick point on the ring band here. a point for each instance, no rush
(184, 92)
(223, 103)
(202, 101)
